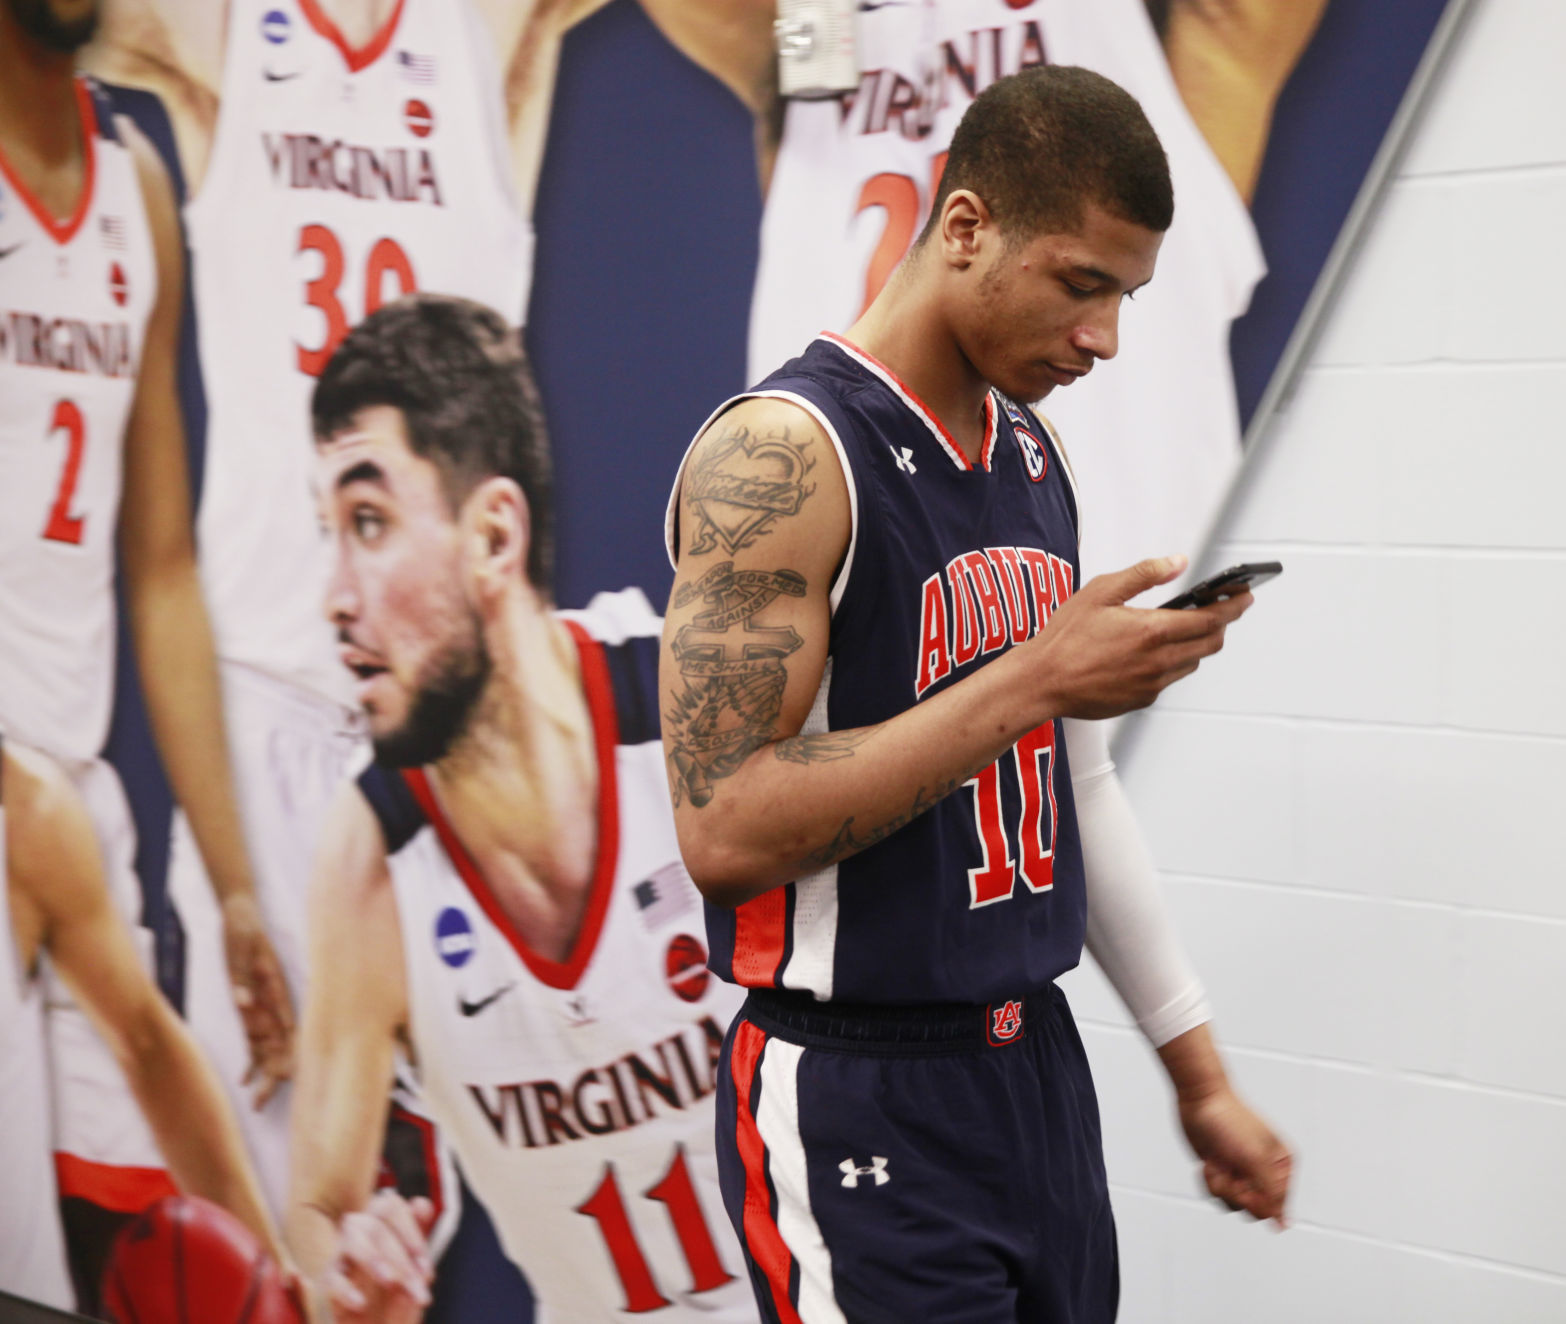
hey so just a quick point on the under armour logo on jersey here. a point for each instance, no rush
(1005, 1022)
(852, 1172)
(904, 457)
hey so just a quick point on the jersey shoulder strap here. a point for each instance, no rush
(391, 801)
(633, 674)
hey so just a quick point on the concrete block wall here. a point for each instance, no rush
(1358, 808)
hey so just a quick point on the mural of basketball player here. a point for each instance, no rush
(339, 153)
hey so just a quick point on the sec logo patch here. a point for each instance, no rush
(685, 966)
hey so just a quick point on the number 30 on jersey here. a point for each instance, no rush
(385, 258)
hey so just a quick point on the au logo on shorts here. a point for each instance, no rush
(1005, 1022)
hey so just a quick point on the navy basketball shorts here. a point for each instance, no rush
(913, 1165)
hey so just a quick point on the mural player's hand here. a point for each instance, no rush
(1100, 658)
(1244, 1164)
(382, 1271)
(261, 995)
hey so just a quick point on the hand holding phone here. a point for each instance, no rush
(1225, 584)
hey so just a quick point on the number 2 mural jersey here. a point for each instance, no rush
(578, 1094)
(340, 179)
(981, 897)
(75, 293)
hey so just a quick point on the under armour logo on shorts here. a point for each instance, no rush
(904, 457)
(852, 1172)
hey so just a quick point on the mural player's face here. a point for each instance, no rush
(405, 625)
(1046, 309)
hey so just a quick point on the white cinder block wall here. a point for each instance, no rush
(1360, 808)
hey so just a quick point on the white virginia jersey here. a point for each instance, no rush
(578, 1095)
(74, 300)
(32, 1251)
(339, 180)
(1154, 433)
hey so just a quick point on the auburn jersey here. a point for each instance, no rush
(340, 178)
(948, 566)
(578, 1094)
(75, 293)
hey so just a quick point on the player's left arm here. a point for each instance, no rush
(1230, 60)
(173, 641)
(1132, 938)
(53, 863)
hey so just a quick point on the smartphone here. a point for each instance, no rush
(1225, 584)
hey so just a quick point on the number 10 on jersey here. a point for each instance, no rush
(1032, 759)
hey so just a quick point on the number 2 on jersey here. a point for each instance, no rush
(64, 526)
(386, 257)
(677, 1193)
(996, 876)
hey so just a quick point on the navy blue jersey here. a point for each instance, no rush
(949, 565)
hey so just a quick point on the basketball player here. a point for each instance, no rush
(90, 289)
(502, 888)
(873, 637)
(340, 153)
(55, 902)
(855, 175)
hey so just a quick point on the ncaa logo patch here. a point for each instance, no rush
(1005, 1022)
(275, 26)
(685, 967)
(454, 940)
(419, 118)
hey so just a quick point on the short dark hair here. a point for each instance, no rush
(459, 374)
(1042, 145)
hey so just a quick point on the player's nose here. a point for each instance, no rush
(1099, 336)
(340, 603)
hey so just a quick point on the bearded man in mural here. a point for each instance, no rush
(501, 889)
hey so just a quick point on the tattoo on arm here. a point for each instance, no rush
(845, 841)
(827, 747)
(733, 672)
(741, 482)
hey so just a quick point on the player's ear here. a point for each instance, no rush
(498, 531)
(964, 225)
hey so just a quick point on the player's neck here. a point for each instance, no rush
(40, 122)
(359, 21)
(905, 330)
(521, 786)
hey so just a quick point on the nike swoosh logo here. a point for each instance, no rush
(280, 78)
(6, 252)
(473, 1008)
(867, 7)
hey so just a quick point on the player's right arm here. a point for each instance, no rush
(58, 889)
(364, 1257)
(756, 803)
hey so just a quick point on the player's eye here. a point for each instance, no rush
(368, 523)
(1079, 291)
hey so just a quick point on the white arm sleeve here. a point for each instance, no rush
(1129, 931)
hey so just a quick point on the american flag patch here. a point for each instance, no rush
(665, 895)
(112, 228)
(416, 68)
